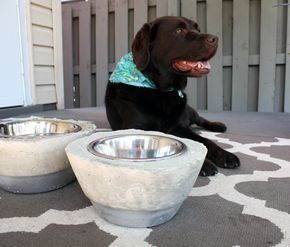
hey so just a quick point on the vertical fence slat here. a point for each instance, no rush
(68, 56)
(102, 60)
(162, 8)
(240, 55)
(121, 28)
(202, 81)
(287, 67)
(267, 56)
(174, 7)
(188, 10)
(85, 55)
(140, 14)
(215, 77)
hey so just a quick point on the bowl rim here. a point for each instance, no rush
(92, 144)
(77, 128)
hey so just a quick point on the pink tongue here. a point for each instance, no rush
(200, 65)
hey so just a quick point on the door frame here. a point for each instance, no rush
(26, 41)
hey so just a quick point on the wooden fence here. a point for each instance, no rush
(250, 72)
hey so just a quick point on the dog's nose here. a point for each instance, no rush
(212, 40)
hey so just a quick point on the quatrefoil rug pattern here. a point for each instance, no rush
(249, 206)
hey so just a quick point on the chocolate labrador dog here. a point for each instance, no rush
(146, 89)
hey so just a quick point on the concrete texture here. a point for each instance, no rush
(38, 156)
(147, 186)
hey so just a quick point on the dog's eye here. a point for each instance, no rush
(179, 30)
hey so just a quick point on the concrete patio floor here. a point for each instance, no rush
(247, 123)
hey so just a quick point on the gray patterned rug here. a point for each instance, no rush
(249, 206)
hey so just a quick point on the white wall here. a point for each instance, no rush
(11, 76)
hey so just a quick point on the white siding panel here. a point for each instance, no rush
(44, 3)
(44, 75)
(43, 55)
(41, 16)
(46, 94)
(42, 36)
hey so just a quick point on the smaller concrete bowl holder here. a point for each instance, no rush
(32, 155)
(136, 178)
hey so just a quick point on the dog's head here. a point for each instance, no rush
(174, 46)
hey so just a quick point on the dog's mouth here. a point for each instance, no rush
(195, 68)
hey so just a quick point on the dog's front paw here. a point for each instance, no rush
(217, 127)
(208, 169)
(224, 159)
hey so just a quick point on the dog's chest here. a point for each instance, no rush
(166, 106)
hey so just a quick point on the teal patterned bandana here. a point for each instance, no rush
(127, 73)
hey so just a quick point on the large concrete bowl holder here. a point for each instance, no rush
(32, 155)
(136, 178)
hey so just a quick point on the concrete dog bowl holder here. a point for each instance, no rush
(32, 155)
(136, 178)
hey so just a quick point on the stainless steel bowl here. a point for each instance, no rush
(33, 128)
(136, 147)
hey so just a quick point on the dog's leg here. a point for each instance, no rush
(208, 169)
(215, 155)
(194, 118)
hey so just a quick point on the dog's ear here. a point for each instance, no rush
(140, 47)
